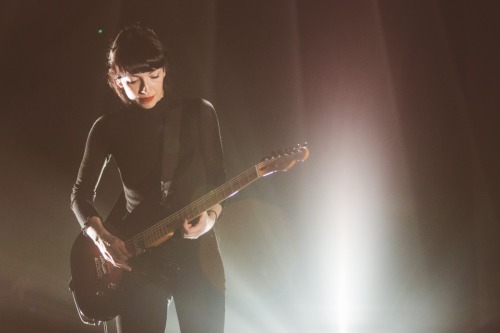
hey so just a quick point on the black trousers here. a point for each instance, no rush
(197, 289)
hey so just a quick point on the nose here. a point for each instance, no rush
(144, 87)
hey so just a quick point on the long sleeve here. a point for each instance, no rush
(134, 139)
(211, 146)
(94, 160)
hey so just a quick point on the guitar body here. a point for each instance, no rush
(96, 284)
(98, 287)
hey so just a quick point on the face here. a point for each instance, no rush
(143, 89)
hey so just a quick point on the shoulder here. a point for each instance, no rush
(199, 108)
(206, 105)
(100, 123)
(107, 121)
(113, 116)
(198, 104)
(110, 115)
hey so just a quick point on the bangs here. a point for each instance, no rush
(140, 66)
(137, 52)
(139, 59)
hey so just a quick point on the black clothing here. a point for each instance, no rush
(198, 301)
(133, 137)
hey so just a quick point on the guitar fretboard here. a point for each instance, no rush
(161, 230)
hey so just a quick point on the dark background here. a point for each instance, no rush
(392, 225)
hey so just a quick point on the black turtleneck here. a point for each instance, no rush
(133, 137)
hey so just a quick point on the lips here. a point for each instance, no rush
(146, 99)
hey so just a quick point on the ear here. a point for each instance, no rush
(119, 83)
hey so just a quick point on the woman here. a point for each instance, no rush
(133, 136)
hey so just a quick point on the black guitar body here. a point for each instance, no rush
(148, 232)
(97, 286)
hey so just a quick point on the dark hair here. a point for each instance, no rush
(135, 49)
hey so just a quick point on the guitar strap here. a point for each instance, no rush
(170, 155)
(171, 147)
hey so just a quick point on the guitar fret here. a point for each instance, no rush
(150, 236)
(155, 236)
(191, 213)
(198, 209)
(84, 248)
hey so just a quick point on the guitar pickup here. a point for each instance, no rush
(103, 267)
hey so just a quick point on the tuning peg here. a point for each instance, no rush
(270, 157)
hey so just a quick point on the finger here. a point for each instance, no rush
(200, 226)
(123, 250)
(217, 209)
(118, 248)
(187, 225)
(126, 253)
(120, 255)
(200, 219)
(117, 262)
(108, 257)
(114, 254)
(124, 266)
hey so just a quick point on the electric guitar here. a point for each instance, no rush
(97, 285)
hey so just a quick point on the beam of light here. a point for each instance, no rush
(356, 198)
(259, 261)
(373, 276)
(356, 229)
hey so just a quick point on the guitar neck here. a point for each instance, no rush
(217, 195)
(164, 229)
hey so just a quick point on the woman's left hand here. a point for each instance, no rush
(203, 223)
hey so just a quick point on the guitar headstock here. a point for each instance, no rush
(283, 160)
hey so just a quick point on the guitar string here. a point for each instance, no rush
(183, 211)
(177, 215)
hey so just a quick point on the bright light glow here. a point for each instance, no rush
(356, 199)
(376, 281)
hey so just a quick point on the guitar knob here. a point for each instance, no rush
(112, 286)
(100, 293)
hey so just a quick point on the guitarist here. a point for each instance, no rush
(133, 136)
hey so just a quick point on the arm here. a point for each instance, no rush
(211, 150)
(94, 160)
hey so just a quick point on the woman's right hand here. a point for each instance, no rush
(112, 248)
